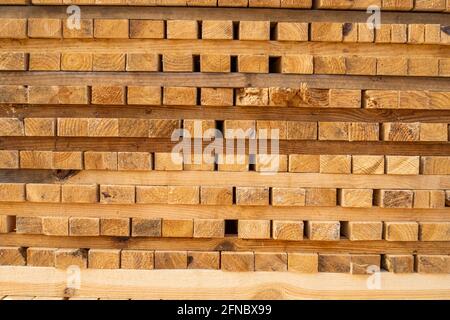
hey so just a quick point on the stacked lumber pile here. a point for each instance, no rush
(118, 147)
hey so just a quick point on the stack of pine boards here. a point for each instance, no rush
(88, 177)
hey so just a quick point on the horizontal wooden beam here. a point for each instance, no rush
(236, 14)
(285, 146)
(198, 284)
(230, 47)
(225, 113)
(226, 244)
(229, 80)
(222, 178)
(224, 212)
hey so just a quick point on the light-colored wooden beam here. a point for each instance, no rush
(287, 180)
(235, 14)
(212, 284)
(116, 211)
(228, 244)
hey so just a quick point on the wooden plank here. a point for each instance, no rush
(209, 228)
(394, 198)
(337, 263)
(217, 29)
(259, 245)
(108, 62)
(180, 96)
(434, 231)
(182, 29)
(398, 263)
(29, 225)
(44, 28)
(41, 257)
(108, 95)
(178, 62)
(317, 183)
(137, 259)
(147, 29)
(134, 161)
(145, 227)
(117, 194)
(401, 231)
(335, 164)
(13, 28)
(271, 261)
(254, 30)
(7, 223)
(203, 260)
(55, 226)
(252, 196)
(433, 132)
(287, 230)
(36, 159)
(110, 28)
(326, 31)
(304, 163)
(329, 65)
(13, 256)
(254, 229)
(234, 13)
(402, 165)
(215, 63)
(297, 64)
(288, 196)
(252, 97)
(359, 131)
(433, 264)
(221, 98)
(226, 212)
(183, 195)
(44, 62)
(39, 127)
(362, 230)
(364, 264)
(291, 31)
(216, 195)
(360, 198)
(195, 284)
(84, 226)
(223, 80)
(86, 30)
(400, 131)
(321, 197)
(303, 262)
(333, 131)
(116, 227)
(152, 194)
(143, 62)
(435, 165)
(65, 258)
(100, 160)
(178, 228)
(76, 61)
(170, 259)
(9, 159)
(322, 230)
(237, 261)
(104, 259)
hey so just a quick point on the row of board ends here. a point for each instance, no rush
(245, 261)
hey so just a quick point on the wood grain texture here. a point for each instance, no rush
(226, 212)
(221, 80)
(239, 245)
(88, 178)
(164, 284)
